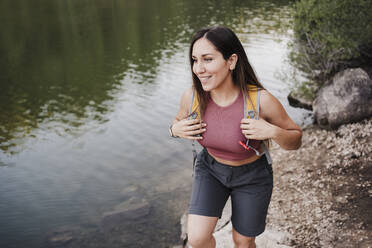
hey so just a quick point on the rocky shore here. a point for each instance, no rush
(323, 192)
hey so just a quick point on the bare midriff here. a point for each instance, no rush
(239, 162)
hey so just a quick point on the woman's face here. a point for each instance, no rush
(209, 65)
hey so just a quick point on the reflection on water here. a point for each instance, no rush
(63, 60)
(87, 90)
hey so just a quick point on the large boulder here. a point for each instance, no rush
(346, 98)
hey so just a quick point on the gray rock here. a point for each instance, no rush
(132, 209)
(346, 98)
(275, 238)
(183, 223)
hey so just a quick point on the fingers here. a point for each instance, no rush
(192, 122)
(248, 131)
(192, 129)
(245, 126)
(195, 134)
(194, 137)
(195, 127)
(247, 121)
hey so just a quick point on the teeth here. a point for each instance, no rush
(204, 79)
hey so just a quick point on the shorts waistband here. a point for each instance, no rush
(251, 165)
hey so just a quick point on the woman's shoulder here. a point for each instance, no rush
(186, 100)
(269, 104)
(187, 96)
(266, 97)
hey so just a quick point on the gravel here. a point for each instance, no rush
(322, 192)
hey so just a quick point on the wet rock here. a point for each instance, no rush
(346, 98)
(297, 100)
(132, 209)
(60, 237)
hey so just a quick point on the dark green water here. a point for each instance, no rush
(87, 91)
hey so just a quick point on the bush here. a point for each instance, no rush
(331, 35)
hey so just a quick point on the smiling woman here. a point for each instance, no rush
(234, 115)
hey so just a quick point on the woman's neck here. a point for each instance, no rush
(225, 94)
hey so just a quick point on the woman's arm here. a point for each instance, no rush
(274, 123)
(182, 127)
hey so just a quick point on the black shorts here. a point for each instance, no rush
(249, 185)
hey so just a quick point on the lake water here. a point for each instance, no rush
(87, 92)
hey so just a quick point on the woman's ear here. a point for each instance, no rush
(232, 61)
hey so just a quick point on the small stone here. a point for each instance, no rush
(129, 190)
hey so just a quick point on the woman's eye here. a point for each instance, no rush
(208, 59)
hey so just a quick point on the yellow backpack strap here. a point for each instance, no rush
(251, 106)
(255, 105)
(266, 150)
(194, 111)
(193, 114)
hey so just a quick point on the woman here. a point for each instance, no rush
(233, 162)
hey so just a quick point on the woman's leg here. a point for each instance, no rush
(200, 231)
(207, 201)
(250, 199)
(241, 241)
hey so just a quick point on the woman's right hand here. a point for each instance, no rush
(189, 129)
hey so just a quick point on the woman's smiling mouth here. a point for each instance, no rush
(204, 79)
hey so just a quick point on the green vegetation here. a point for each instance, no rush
(330, 36)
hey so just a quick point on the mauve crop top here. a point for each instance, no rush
(224, 133)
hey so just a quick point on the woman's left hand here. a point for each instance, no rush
(257, 129)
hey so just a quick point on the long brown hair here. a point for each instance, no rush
(227, 43)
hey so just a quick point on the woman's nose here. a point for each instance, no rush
(199, 68)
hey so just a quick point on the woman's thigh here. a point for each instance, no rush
(200, 226)
(249, 210)
(250, 202)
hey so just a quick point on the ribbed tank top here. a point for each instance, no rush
(223, 131)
